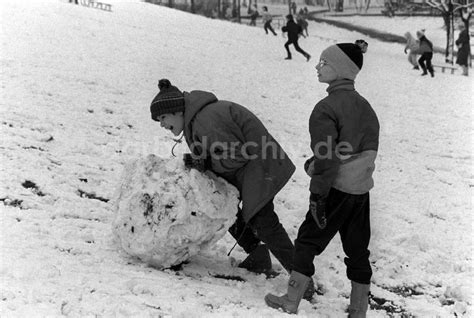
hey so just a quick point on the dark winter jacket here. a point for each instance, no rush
(293, 30)
(464, 48)
(242, 151)
(302, 23)
(425, 46)
(346, 123)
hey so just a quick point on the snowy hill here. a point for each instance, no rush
(74, 107)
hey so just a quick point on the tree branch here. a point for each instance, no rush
(435, 5)
(466, 6)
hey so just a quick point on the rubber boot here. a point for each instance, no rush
(424, 71)
(465, 70)
(258, 261)
(359, 300)
(310, 290)
(290, 301)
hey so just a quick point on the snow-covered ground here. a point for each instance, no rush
(74, 108)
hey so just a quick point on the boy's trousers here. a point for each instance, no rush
(264, 227)
(349, 215)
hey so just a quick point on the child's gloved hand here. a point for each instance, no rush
(199, 164)
(317, 207)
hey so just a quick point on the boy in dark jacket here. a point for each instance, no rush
(426, 51)
(232, 142)
(294, 30)
(344, 133)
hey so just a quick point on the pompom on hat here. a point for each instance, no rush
(169, 100)
(345, 58)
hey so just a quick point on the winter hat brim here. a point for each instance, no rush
(343, 64)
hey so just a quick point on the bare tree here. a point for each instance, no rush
(447, 9)
(367, 5)
(329, 4)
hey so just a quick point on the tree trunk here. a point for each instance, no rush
(238, 11)
(451, 40)
(447, 24)
(367, 5)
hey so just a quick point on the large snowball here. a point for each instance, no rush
(167, 213)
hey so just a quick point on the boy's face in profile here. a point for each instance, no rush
(173, 122)
(326, 74)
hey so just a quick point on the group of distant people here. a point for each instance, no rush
(420, 46)
(267, 19)
(293, 28)
(424, 47)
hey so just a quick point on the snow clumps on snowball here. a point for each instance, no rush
(167, 213)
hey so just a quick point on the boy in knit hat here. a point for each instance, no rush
(344, 133)
(231, 141)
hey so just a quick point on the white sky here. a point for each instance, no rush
(74, 107)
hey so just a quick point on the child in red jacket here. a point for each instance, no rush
(344, 133)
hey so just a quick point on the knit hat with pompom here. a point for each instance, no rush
(345, 58)
(169, 100)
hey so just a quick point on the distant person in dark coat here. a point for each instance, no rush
(253, 16)
(293, 7)
(426, 51)
(464, 49)
(294, 30)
